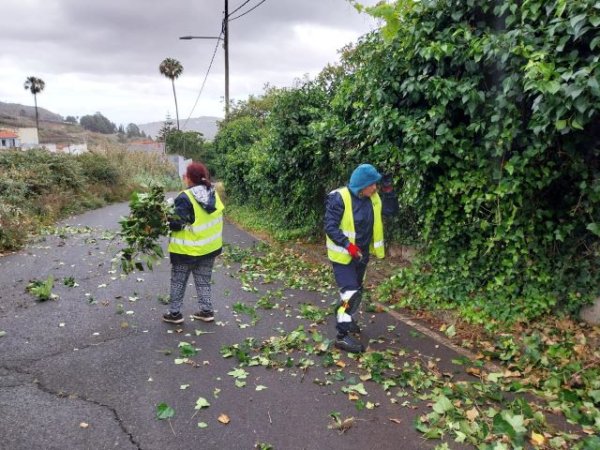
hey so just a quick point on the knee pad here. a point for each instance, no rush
(350, 301)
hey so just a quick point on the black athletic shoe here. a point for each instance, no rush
(349, 344)
(173, 318)
(353, 328)
(204, 316)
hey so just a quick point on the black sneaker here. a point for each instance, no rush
(204, 316)
(173, 318)
(349, 344)
(353, 328)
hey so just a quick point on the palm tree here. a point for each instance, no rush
(171, 68)
(35, 85)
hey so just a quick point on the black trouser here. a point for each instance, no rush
(349, 278)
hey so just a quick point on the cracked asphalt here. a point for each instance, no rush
(87, 370)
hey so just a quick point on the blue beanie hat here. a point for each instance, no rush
(363, 176)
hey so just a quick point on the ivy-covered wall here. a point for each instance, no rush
(486, 112)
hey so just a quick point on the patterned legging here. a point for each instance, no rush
(180, 274)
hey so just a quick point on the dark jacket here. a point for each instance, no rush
(184, 215)
(362, 210)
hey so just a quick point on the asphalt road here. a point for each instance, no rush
(87, 370)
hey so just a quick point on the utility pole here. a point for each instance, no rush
(226, 49)
(225, 30)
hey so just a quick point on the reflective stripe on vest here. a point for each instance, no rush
(202, 237)
(340, 254)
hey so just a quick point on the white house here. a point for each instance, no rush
(9, 139)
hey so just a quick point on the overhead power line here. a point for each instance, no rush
(204, 81)
(239, 7)
(250, 10)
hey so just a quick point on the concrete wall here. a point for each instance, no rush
(28, 135)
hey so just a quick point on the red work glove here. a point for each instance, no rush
(354, 251)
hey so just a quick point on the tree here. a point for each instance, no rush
(171, 68)
(98, 123)
(189, 144)
(71, 119)
(133, 130)
(165, 130)
(35, 86)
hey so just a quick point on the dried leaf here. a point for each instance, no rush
(475, 371)
(472, 414)
(224, 419)
(537, 439)
(398, 421)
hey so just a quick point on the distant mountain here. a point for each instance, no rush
(207, 125)
(16, 111)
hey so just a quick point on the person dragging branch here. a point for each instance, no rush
(196, 240)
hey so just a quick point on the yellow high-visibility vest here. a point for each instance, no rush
(202, 237)
(340, 254)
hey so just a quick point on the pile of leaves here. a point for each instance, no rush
(142, 229)
(545, 372)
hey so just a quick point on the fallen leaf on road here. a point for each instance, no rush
(474, 371)
(395, 420)
(84, 425)
(472, 414)
(537, 439)
(201, 403)
(341, 364)
(342, 425)
(224, 419)
(353, 396)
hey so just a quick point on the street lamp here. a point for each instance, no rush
(225, 40)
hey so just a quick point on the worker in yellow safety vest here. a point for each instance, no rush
(196, 239)
(354, 230)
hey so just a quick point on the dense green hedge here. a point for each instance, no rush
(487, 115)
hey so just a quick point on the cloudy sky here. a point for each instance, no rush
(104, 55)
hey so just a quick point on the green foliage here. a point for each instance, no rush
(133, 131)
(495, 114)
(164, 411)
(141, 230)
(487, 115)
(191, 145)
(42, 289)
(97, 123)
(99, 169)
(38, 187)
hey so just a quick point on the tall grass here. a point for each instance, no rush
(38, 188)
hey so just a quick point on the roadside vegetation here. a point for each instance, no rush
(486, 114)
(37, 187)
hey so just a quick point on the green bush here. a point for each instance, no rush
(487, 115)
(99, 169)
(38, 187)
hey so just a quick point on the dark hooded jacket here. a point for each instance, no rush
(184, 215)
(362, 210)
